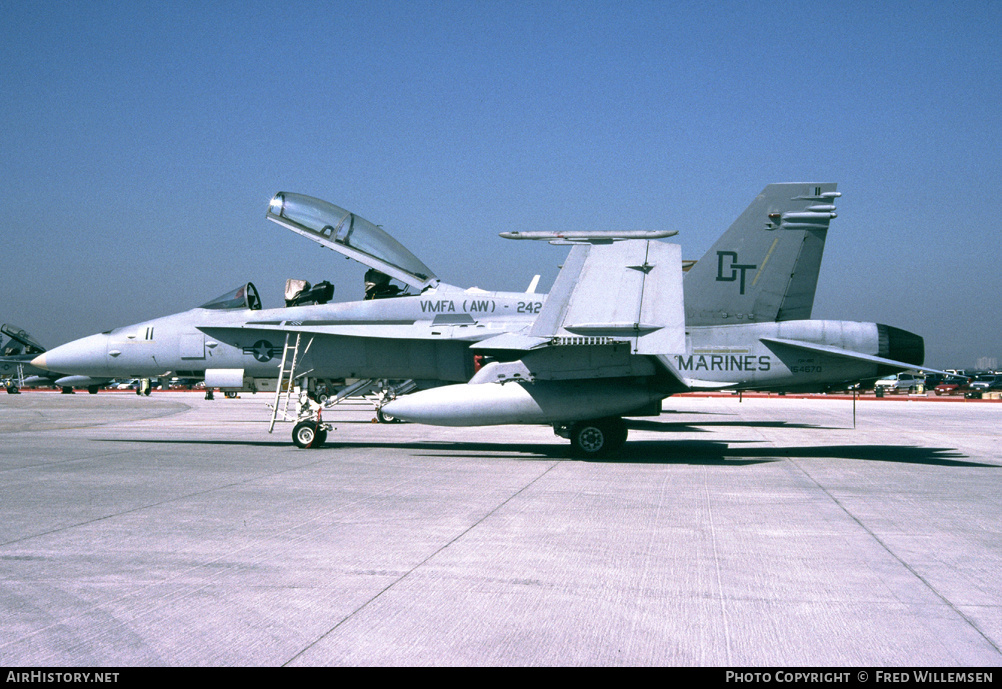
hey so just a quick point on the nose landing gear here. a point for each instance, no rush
(309, 434)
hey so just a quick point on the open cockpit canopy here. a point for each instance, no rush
(243, 297)
(348, 234)
(20, 341)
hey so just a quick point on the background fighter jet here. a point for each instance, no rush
(613, 338)
(16, 370)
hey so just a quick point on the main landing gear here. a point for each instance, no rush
(595, 438)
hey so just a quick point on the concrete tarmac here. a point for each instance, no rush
(176, 531)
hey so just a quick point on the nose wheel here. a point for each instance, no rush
(309, 434)
(383, 417)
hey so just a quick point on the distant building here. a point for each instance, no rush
(987, 363)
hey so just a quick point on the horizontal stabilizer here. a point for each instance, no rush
(848, 354)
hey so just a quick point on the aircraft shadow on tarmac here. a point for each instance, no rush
(708, 452)
(693, 452)
(162, 441)
(701, 426)
(731, 453)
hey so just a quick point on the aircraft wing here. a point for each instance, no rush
(626, 291)
(848, 354)
(609, 303)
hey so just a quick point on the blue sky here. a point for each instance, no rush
(140, 144)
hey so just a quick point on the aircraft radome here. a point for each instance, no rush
(614, 337)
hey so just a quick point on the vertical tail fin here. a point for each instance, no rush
(765, 267)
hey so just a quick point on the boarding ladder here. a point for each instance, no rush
(285, 389)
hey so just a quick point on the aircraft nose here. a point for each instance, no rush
(86, 356)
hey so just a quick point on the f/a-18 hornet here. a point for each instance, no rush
(613, 338)
(16, 370)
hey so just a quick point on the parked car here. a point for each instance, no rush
(902, 382)
(884, 384)
(952, 385)
(984, 382)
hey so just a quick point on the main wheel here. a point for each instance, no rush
(92, 389)
(599, 437)
(305, 434)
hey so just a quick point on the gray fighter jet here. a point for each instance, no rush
(16, 370)
(613, 338)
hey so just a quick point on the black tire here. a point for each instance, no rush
(92, 390)
(382, 417)
(13, 390)
(230, 395)
(598, 438)
(305, 434)
(321, 438)
(66, 391)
